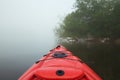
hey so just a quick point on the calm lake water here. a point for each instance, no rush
(16, 58)
(104, 58)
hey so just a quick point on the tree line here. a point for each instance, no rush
(96, 19)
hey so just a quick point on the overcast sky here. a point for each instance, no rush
(26, 26)
(31, 18)
(30, 23)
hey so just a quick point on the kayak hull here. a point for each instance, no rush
(59, 64)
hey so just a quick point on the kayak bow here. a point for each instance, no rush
(59, 64)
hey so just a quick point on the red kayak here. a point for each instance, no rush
(59, 64)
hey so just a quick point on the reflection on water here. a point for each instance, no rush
(102, 58)
(16, 58)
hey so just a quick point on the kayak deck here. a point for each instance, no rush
(59, 64)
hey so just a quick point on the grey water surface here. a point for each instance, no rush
(103, 58)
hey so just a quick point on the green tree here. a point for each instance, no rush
(97, 18)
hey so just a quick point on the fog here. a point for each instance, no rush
(27, 32)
